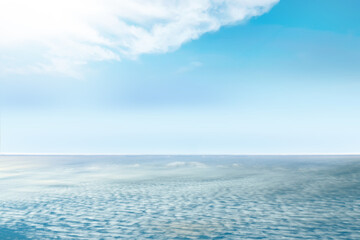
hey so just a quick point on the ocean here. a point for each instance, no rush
(180, 197)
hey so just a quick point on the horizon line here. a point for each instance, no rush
(177, 154)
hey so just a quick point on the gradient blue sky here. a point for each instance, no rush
(287, 81)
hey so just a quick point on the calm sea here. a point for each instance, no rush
(180, 197)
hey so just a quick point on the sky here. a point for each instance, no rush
(180, 77)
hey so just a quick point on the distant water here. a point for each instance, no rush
(180, 197)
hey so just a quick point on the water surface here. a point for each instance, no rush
(180, 197)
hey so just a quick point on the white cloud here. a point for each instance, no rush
(70, 33)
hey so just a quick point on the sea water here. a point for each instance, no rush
(180, 197)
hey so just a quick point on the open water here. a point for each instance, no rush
(180, 197)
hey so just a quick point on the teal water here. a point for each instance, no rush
(180, 197)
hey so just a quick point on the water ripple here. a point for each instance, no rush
(171, 198)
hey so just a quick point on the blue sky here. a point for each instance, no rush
(286, 80)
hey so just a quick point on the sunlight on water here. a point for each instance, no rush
(180, 197)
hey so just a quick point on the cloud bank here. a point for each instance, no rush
(63, 34)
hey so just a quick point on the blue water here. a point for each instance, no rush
(180, 197)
